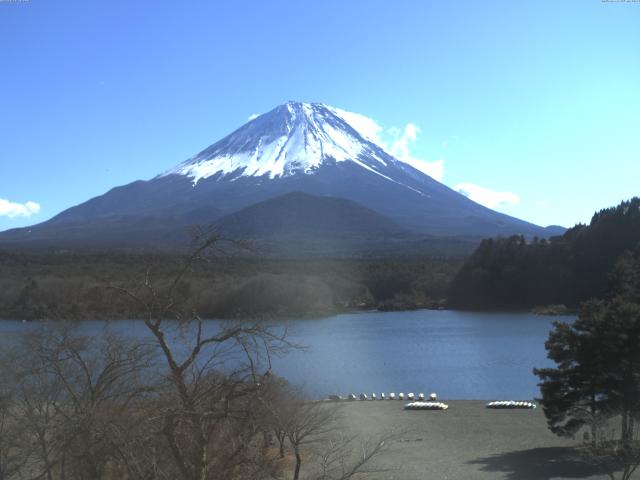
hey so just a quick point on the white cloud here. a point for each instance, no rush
(396, 141)
(543, 203)
(401, 139)
(12, 209)
(253, 116)
(487, 197)
(399, 143)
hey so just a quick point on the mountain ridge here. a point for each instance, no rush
(296, 147)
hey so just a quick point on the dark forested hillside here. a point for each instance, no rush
(516, 273)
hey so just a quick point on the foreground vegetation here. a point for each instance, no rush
(190, 401)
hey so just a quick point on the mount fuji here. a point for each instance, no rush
(308, 148)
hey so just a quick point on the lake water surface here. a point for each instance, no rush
(459, 355)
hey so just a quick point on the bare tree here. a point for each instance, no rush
(308, 423)
(70, 391)
(275, 397)
(344, 457)
(213, 372)
(314, 432)
(11, 460)
(33, 407)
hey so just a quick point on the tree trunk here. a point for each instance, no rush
(624, 427)
(281, 440)
(45, 456)
(203, 464)
(168, 432)
(296, 474)
(594, 426)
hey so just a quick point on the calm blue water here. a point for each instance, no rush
(459, 355)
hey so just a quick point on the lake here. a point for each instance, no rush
(458, 355)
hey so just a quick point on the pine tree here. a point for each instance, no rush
(598, 369)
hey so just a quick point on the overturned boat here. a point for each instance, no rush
(426, 406)
(510, 404)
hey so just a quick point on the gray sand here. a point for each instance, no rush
(468, 441)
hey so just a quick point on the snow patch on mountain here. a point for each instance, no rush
(293, 138)
(368, 128)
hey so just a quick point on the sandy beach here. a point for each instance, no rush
(467, 441)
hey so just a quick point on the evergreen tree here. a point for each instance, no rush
(626, 275)
(598, 369)
(574, 392)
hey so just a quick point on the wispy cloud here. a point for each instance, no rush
(399, 142)
(543, 203)
(400, 147)
(253, 116)
(396, 141)
(12, 209)
(486, 196)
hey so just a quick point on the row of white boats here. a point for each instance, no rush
(418, 402)
(392, 396)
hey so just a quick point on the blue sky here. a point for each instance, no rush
(537, 100)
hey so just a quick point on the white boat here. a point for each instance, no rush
(510, 404)
(426, 406)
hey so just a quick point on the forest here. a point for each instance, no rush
(76, 287)
(518, 273)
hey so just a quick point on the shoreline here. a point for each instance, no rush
(308, 315)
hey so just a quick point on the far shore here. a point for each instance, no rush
(312, 315)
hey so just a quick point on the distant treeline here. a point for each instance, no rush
(57, 286)
(586, 262)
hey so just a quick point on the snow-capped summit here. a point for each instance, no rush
(291, 139)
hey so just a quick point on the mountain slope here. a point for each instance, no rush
(296, 147)
(301, 225)
(299, 214)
